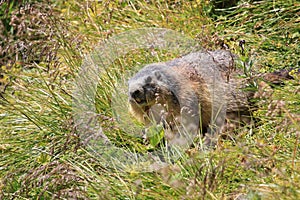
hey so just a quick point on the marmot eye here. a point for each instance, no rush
(150, 86)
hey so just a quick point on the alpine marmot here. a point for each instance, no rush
(190, 95)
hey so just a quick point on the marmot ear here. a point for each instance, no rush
(157, 75)
(148, 79)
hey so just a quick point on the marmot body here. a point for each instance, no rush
(187, 95)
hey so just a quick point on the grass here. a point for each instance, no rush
(42, 154)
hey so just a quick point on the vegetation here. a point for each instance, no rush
(42, 47)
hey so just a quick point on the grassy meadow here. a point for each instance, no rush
(43, 45)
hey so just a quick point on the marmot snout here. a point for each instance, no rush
(143, 93)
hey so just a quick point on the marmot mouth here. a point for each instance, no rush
(141, 102)
(138, 101)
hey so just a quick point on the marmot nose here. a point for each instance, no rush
(138, 96)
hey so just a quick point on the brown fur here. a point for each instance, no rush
(197, 83)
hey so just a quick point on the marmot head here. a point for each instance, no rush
(142, 91)
(145, 87)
